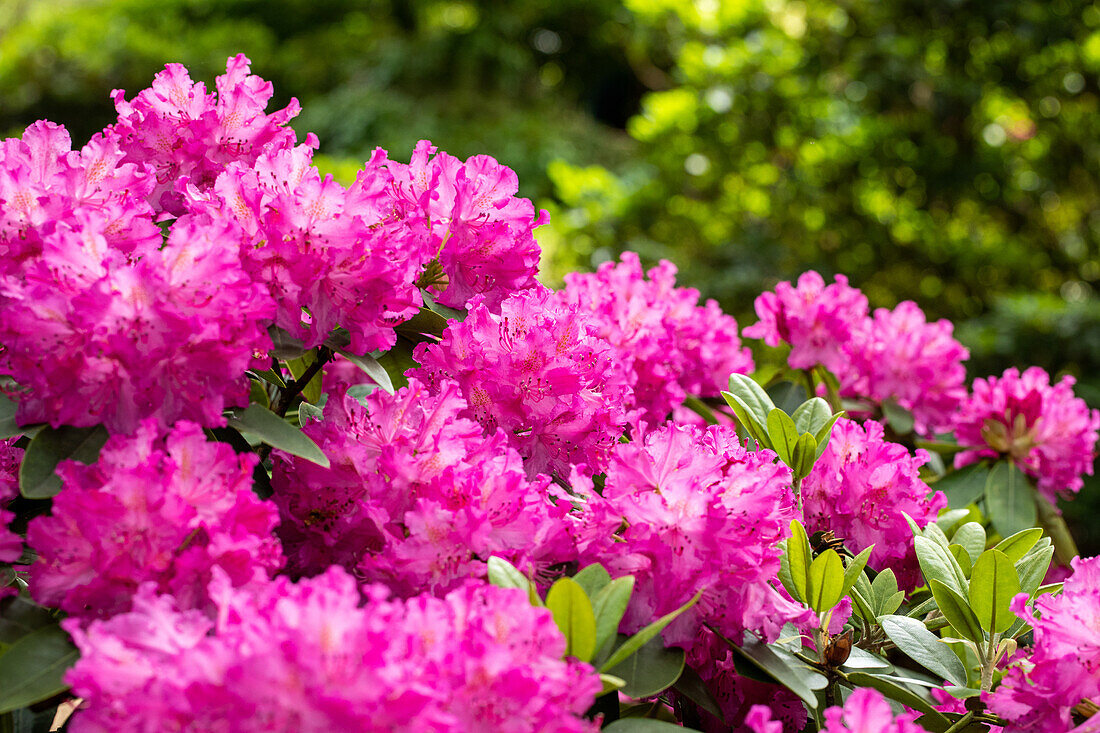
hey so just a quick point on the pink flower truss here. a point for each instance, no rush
(539, 371)
(100, 322)
(320, 247)
(417, 497)
(188, 136)
(147, 510)
(865, 711)
(481, 232)
(1043, 428)
(691, 510)
(900, 355)
(859, 489)
(816, 319)
(671, 345)
(309, 658)
(1038, 694)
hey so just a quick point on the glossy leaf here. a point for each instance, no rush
(826, 581)
(308, 413)
(757, 430)
(962, 557)
(1052, 522)
(855, 569)
(573, 615)
(971, 537)
(924, 647)
(593, 579)
(897, 692)
(298, 367)
(371, 367)
(806, 451)
(1018, 545)
(691, 686)
(609, 605)
(965, 485)
(636, 642)
(812, 415)
(753, 396)
(650, 670)
(825, 432)
(897, 417)
(1009, 499)
(20, 616)
(31, 669)
(956, 609)
(1032, 569)
(504, 574)
(37, 479)
(276, 432)
(783, 435)
(799, 557)
(993, 585)
(775, 664)
(937, 563)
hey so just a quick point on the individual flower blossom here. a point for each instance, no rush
(417, 496)
(188, 136)
(320, 248)
(900, 356)
(167, 512)
(865, 711)
(1039, 693)
(482, 233)
(311, 658)
(97, 338)
(816, 319)
(671, 345)
(539, 371)
(861, 487)
(1046, 431)
(687, 510)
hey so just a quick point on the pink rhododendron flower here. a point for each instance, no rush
(482, 233)
(1043, 428)
(309, 658)
(816, 319)
(417, 496)
(859, 488)
(166, 511)
(691, 510)
(11, 544)
(865, 711)
(900, 356)
(1038, 695)
(539, 371)
(671, 345)
(188, 136)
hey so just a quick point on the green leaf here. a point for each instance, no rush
(863, 606)
(964, 486)
(956, 609)
(937, 563)
(451, 314)
(371, 367)
(993, 585)
(754, 397)
(1016, 546)
(812, 415)
(504, 574)
(756, 430)
(971, 537)
(962, 557)
(854, 569)
(399, 360)
(9, 428)
(691, 686)
(884, 586)
(593, 579)
(635, 642)
(701, 409)
(924, 647)
(650, 670)
(20, 616)
(309, 413)
(268, 376)
(805, 454)
(37, 479)
(933, 532)
(1032, 569)
(573, 614)
(783, 434)
(425, 322)
(298, 367)
(31, 669)
(643, 725)
(276, 432)
(776, 664)
(1065, 549)
(896, 692)
(609, 605)
(860, 659)
(284, 346)
(799, 556)
(1009, 499)
(785, 573)
(825, 432)
(257, 394)
(897, 417)
(826, 581)
(786, 395)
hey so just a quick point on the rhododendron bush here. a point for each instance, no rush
(279, 454)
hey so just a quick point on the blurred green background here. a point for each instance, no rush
(943, 151)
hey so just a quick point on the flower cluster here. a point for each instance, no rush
(669, 344)
(896, 355)
(417, 497)
(11, 544)
(539, 371)
(167, 511)
(698, 513)
(861, 487)
(1064, 667)
(308, 657)
(1043, 428)
(187, 136)
(865, 711)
